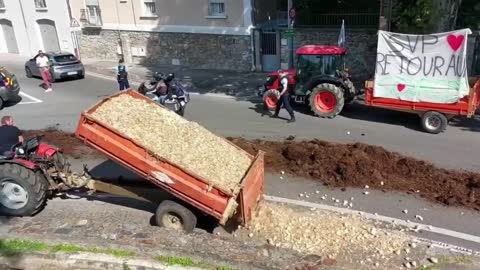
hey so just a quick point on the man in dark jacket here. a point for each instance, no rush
(284, 98)
(122, 76)
(10, 135)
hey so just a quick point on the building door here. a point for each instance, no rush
(49, 35)
(270, 51)
(8, 34)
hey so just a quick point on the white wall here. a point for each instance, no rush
(29, 39)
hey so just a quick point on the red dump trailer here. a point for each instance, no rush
(191, 191)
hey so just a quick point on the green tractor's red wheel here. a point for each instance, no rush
(270, 99)
(327, 100)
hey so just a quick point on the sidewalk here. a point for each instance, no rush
(238, 84)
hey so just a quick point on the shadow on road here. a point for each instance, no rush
(356, 110)
(467, 124)
(12, 102)
(150, 195)
(363, 112)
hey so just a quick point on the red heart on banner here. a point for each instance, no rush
(455, 42)
(401, 87)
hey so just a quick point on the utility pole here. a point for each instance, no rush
(291, 20)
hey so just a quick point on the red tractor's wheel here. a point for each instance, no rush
(327, 100)
(23, 192)
(270, 99)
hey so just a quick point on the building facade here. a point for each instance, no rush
(27, 26)
(208, 34)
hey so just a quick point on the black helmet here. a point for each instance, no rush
(158, 76)
(170, 77)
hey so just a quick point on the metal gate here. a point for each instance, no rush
(270, 51)
(49, 35)
(9, 38)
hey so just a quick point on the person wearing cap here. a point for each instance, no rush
(122, 75)
(43, 63)
(284, 98)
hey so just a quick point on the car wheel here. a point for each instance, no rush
(28, 72)
(81, 76)
(1, 103)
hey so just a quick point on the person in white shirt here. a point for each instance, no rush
(284, 98)
(44, 65)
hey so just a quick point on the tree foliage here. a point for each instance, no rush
(424, 16)
(414, 16)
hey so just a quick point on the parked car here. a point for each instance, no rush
(64, 65)
(9, 87)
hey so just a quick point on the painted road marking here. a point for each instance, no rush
(33, 100)
(413, 225)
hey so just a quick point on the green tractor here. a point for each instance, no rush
(321, 81)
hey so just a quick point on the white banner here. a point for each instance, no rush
(422, 68)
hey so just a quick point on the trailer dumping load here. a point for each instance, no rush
(173, 138)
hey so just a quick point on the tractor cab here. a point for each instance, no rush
(320, 81)
(316, 62)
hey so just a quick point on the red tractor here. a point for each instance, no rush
(321, 81)
(29, 175)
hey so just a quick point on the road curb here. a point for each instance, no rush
(83, 259)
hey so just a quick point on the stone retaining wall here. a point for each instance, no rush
(199, 51)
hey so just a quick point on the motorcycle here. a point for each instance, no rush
(167, 91)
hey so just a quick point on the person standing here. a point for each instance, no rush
(10, 135)
(43, 63)
(284, 98)
(122, 75)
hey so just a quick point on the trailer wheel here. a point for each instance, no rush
(326, 100)
(434, 122)
(23, 192)
(173, 215)
(270, 99)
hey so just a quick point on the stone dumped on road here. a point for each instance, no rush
(177, 140)
(324, 233)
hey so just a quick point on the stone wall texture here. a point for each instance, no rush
(199, 51)
(99, 44)
(361, 45)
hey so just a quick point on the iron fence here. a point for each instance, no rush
(366, 19)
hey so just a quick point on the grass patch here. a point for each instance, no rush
(75, 248)
(188, 262)
(9, 248)
(426, 268)
(456, 259)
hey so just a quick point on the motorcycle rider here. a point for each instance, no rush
(10, 135)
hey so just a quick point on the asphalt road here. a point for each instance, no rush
(456, 148)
